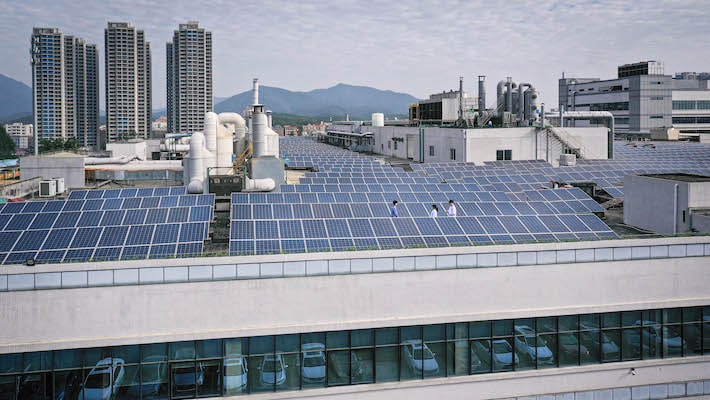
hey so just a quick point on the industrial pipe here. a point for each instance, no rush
(521, 100)
(255, 91)
(109, 160)
(259, 131)
(500, 101)
(259, 185)
(481, 93)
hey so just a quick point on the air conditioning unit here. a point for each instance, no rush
(60, 185)
(47, 188)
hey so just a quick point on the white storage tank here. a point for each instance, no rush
(378, 119)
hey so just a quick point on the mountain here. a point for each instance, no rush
(358, 101)
(15, 99)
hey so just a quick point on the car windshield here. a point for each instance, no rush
(272, 366)
(316, 361)
(422, 355)
(568, 340)
(501, 347)
(99, 379)
(234, 370)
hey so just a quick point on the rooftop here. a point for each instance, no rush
(680, 177)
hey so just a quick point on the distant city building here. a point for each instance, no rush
(21, 134)
(128, 82)
(698, 76)
(189, 78)
(160, 124)
(65, 86)
(642, 98)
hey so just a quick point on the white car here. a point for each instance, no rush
(235, 374)
(273, 370)
(419, 358)
(103, 380)
(532, 346)
(313, 362)
(502, 356)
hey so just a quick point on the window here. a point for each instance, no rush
(504, 155)
(395, 145)
(656, 97)
(431, 151)
(656, 117)
(389, 144)
(452, 154)
(684, 104)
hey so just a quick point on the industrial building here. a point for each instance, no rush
(128, 82)
(21, 134)
(65, 87)
(320, 287)
(641, 98)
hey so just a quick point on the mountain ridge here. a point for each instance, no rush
(15, 99)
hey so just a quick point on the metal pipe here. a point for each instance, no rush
(509, 93)
(675, 209)
(460, 98)
(259, 130)
(500, 101)
(255, 91)
(521, 100)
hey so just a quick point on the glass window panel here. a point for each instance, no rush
(432, 360)
(610, 320)
(692, 314)
(261, 345)
(129, 354)
(361, 366)
(64, 359)
(630, 318)
(410, 333)
(288, 343)
(361, 338)
(670, 339)
(235, 369)
(387, 364)
(672, 316)
(502, 355)
(569, 349)
(566, 323)
(35, 386)
(386, 336)
(211, 372)
(259, 381)
(184, 379)
(92, 356)
(339, 362)
(37, 361)
(503, 328)
(337, 340)
(288, 375)
(129, 380)
(591, 340)
(10, 363)
(652, 317)
(481, 329)
(459, 359)
(209, 348)
(481, 356)
(182, 350)
(434, 332)
(692, 335)
(153, 379)
(612, 336)
(631, 344)
(235, 347)
(154, 351)
(67, 384)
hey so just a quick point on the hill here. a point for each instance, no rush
(358, 101)
(15, 99)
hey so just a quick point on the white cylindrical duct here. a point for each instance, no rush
(259, 131)
(236, 120)
(210, 131)
(272, 143)
(268, 119)
(378, 119)
(500, 104)
(196, 163)
(255, 92)
(481, 93)
(109, 160)
(259, 185)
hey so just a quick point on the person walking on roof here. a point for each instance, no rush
(451, 212)
(434, 211)
(393, 210)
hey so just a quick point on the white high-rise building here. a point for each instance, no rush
(128, 82)
(65, 88)
(189, 78)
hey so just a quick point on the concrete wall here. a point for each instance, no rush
(483, 143)
(128, 149)
(699, 195)
(700, 223)
(69, 167)
(87, 317)
(648, 204)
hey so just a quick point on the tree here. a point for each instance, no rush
(7, 146)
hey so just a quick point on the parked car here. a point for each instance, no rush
(658, 336)
(150, 381)
(272, 370)
(501, 356)
(532, 347)
(419, 358)
(313, 362)
(235, 374)
(570, 349)
(103, 380)
(600, 346)
(186, 377)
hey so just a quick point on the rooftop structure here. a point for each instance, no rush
(322, 293)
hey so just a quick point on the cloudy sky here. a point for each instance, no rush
(417, 47)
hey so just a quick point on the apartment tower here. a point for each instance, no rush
(128, 82)
(189, 78)
(65, 87)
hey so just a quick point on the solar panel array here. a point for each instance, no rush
(345, 205)
(102, 225)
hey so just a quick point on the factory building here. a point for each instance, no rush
(641, 98)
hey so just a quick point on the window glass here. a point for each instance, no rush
(433, 360)
(386, 336)
(10, 363)
(155, 351)
(259, 381)
(361, 338)
(129, 354)
(567, 323)
(182, 350)
(528, 345)
(67, 384)
(481, 356)
(459, 358)
(153, 378)
(37, 361)
(184, 379)
(434, 332)
(261, 345)
(570, 349)
(503, 356)
(93, 356)
(387, 364)
(235, 347)
(672, 316)
(481, 329)
(630, 318)
(312, 360)
(503, 328)
(209, 348)
(361, 362)
(611, 345)
(339, 367)
(610, 320)
(127, 382)
(337, 340)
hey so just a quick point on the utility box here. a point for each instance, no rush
(225, 185)
(667, 203)
(568, 160)
(47, 188)
(59, 184)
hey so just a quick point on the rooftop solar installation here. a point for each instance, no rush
(104, 225)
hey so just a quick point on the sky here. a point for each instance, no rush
(419, 48)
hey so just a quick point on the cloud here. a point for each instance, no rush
(418, 48)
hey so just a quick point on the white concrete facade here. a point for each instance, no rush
(479, 145)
